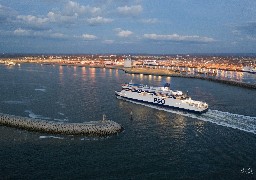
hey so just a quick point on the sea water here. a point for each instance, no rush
(157, 143)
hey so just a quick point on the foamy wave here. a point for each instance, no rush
(235, 121)
(35, 116)
(31, 114)
(14, 102)
(60, 113)
(40, 89)
(60, 120)
(62, 105)
(53, 137)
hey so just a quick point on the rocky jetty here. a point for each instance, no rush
(93, 128)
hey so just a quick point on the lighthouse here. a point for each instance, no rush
(128, 62)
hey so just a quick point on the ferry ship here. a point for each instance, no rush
(249, 69)
(160, 96)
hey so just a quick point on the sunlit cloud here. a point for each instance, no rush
(29, 19)
(75, 8)
(44, 34)
(21, 32)
(71, 13)
(88, 37)
(56, 17)
(130, 10)
(99, 20)
(123, 33)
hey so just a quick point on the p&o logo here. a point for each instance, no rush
(159, 101)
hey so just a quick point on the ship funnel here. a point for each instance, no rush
(167, 85)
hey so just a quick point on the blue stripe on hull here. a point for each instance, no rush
(162, 105)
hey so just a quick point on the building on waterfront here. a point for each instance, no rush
(128, 62)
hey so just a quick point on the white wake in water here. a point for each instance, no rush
(48, 137)
(236, 121)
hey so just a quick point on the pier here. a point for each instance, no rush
(93, 128)
(158, 72)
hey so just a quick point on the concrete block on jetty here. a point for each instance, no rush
(93, 128)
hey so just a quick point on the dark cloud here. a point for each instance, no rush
(179, 38)
(247, 30)
(7, 15)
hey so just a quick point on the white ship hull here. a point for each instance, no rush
(249, 69)
(176, 101)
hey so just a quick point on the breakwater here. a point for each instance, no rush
(92, 128)
(230, 82)
(209, 78)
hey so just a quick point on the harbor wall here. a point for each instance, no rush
(230, 82)
(209, 78)
(92, 128)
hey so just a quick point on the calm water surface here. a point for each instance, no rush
(156, 144)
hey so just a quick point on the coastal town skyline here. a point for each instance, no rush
(150, 27)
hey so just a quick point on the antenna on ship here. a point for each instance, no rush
(187, 94)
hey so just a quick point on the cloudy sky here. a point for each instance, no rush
(128, 26)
